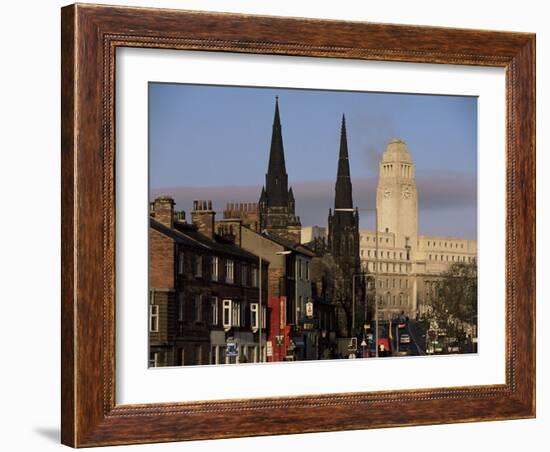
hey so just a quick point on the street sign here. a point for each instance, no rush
(352, 344)
(231, 349)
(269, 348)
(309, 309)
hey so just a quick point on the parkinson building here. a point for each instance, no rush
(409, 265)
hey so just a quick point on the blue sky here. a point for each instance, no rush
(212, 142)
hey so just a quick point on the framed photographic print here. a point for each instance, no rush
(279, 225)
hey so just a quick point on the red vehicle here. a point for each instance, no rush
(383, 346)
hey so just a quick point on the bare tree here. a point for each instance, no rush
(454, 306)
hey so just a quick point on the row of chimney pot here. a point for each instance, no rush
(251, 207)
(202, 216)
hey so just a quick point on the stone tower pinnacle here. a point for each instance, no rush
(277, 204)
(343, 237)
(276, 179)
(343, 198)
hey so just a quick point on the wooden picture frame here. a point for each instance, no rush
(90, 36)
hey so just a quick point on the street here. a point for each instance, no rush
(416, 332)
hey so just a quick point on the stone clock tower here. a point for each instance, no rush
(396, 195)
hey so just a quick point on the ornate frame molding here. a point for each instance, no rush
(90, 36)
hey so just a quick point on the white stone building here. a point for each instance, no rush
(409, 265)
(310, 233)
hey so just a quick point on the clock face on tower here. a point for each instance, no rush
(406, 192)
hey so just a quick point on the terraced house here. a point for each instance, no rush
(205, 292)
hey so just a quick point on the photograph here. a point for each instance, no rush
(299, 225)
(283, 223)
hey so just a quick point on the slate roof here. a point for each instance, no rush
(188, 235)
(175, 235)
(296, 247)
(217, 244)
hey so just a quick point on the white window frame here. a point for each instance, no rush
(254, 317)
(229, 271)
(198, 266)
(197, 308)
(198, 355)
(236, 314)
(215, 264)
(254, 276)
(227, 310)
(215, 310)
(153, 318)
(155, 361)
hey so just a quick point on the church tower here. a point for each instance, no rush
(343, 224)
(343, 234)
(277, 205)
(396, 195)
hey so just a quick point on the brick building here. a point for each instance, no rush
(247, 212)
(205, 291)
(289, 289)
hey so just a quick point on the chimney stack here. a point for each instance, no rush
(163, 210)
(230, 230)
(203, 217)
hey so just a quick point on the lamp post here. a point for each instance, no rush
(260, 311)
(355, 275)
(286, 253)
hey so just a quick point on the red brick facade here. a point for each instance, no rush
(161, 260)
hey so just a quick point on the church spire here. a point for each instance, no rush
(343, 198)
(276, 177)
(277, 204)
